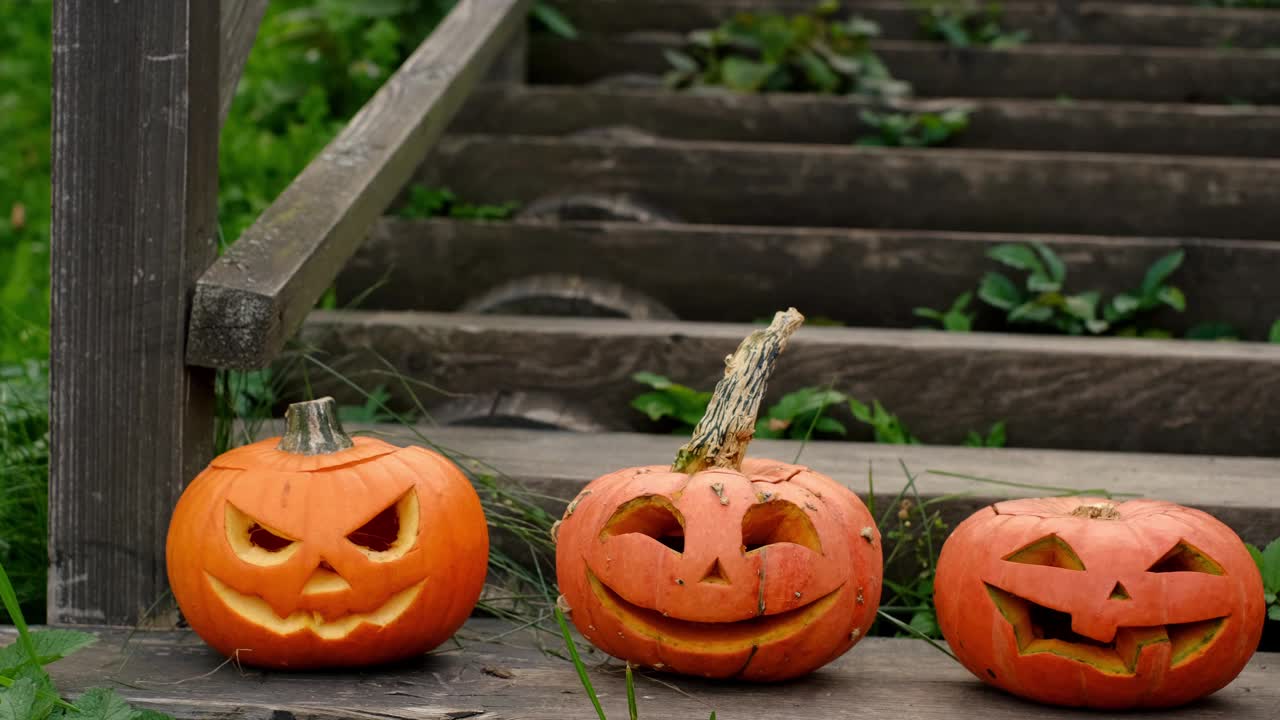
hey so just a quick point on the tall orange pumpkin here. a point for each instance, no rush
(1075, 601)
(716, 566)
(317, 550)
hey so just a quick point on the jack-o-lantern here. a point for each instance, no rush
(316, 550)
(759, 570)
(1077, 601)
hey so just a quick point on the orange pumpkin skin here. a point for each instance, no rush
(717, 609)
(412, 595)
(1168, 598)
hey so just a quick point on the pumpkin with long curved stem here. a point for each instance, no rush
(316, 550)
(1079, 601)
(719, 566)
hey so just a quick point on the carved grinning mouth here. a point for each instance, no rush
(1041, 629)
(256, 610)
(726, 637)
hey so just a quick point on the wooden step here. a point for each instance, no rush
(1054, 392)
(872, 278)
(557, 465)
(1030, 71)
(1082, 125)
(1101, 23)
(934, 188)
(498, 670)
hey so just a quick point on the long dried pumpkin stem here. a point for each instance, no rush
(313, 428)
(721, 437)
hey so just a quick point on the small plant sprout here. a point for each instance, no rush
(957, 318)
(967, 23)
(1268, 561)
(425, 202)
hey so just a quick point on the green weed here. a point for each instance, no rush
(24, 470)
(769, 52)
(967, 23)
(1268, 561)
(26, 690)
(913, 129)
(425, 202)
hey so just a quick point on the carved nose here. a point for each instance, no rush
(325, 580)
(1119, 593)
(715, 574)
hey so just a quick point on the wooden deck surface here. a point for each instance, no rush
(880, 678)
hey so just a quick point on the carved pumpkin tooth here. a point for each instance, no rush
(283, 507)
(782, 585)
(1126, 617)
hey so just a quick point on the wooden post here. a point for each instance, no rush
(135, 140)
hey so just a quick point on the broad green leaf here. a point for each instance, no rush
(18, 702)
(999, 291)
(1160, 271)
(830, 425)
(859, 410)
(1269, 597)
(1031, 312)
(1255, 553)
(997, 437)
(925, 623)
(1212, 331)
(1083, 306)
(1274, 335)
(50, 646)
(555, 21)
(973, 439)
(1020, 257)
(957, 322)
(1053, 264)
(771, 428)
(1271, 566)
(653, 380)
(818, 72)
(1121, 306)
(656, 405)
(745, 75)
(1274, 613)
(103, 704)
(928, 313)
(681, 61)
(1172, 297)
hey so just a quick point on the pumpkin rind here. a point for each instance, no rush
(329, 602)
(717, 610)
(1075, 601)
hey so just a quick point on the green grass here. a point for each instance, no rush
(24, 467)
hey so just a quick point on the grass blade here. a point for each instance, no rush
(907, 628)
(10, 599)
(631, 694)
(577, 663)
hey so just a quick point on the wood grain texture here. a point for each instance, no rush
(240, 20)
(257, 293)
(1083, 125)
(927, 189)
(1054, 392)
(557, 465)
(135, 104)
(566, 295)
(870, 278)
(513, 678)
(1029, 71)
(1095, 23)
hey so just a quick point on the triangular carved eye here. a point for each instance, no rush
(390, 534)
(1185, 558)
(649, 515)
(1049, 551)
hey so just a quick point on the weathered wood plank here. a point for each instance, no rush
(1030, 71)
(558, 464)
(135, 104)
(1054, 392)
(1097, 23)
(240, 20)
(933, 189)
(1083, 125)
(501, 673)
(869, 278)
(255, 296)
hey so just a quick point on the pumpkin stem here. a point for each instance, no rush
(313, 428)
(1097, 511)
(721, 437)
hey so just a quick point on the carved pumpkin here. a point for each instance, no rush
(1077, 601)
(315, 550)
(762, 573)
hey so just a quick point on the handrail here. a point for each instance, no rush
(258, 293)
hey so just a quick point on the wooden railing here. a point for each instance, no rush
(142, 307)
